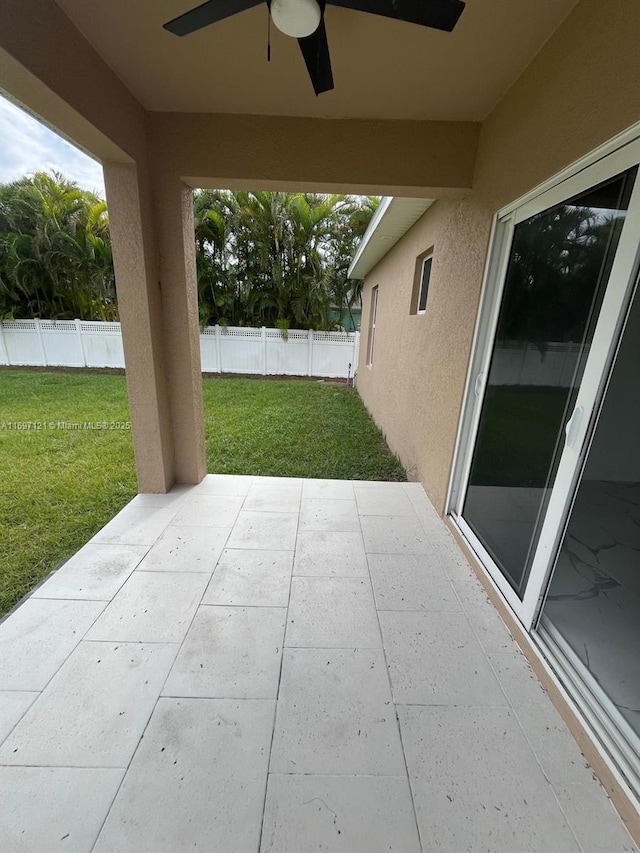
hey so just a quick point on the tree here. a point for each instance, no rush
(277, 259)
(55, 252)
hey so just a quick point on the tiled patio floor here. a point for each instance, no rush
(281, 665)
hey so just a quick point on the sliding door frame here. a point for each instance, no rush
(615, 157)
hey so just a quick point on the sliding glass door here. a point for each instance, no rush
(591, 612)
(546, 485)
(557, 274)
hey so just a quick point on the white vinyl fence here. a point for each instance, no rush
(81, 343)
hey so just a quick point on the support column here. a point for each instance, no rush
(140, 309)
(173, 207)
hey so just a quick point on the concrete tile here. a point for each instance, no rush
(54, 808)
(410, 582)
(332, 613)
(136, 525)
(493, 635)
(230, 653)
(169, 499)
(476, 784)
(434, 659)
(186, 549)
(333, 515)
(328, 489)
(224, 484)
(197, 779)
(335, 715)
(273, 497)
(337, 553)
(394, 535)
(94, 710)
(275, 481)
(390, 501)
(273, 531)
(152, 607)
(546, 731)
(339, 814)
(251, 578)
(37, 638)
(595, 822)
(13, 704)
(209, 511)
(95, 572)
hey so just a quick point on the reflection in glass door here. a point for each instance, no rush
(593, 601)
(558, 269)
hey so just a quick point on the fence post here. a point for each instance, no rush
(310, 362)
(264, 351)
(83, 354)
(356, 355)
(40, 341)
(218, 347)
(4, 349)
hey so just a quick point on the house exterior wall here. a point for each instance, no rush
(582, 89)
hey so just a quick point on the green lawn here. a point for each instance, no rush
(59, 486)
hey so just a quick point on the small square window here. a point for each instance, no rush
(425, 275)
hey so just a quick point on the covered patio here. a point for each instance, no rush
(256, 664)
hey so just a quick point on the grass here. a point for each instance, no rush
(59, 486)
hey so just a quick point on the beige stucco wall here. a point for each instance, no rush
(582, 89)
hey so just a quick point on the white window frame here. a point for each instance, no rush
(372, 324)
(616, 156)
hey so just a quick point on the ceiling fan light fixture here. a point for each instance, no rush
(297, 18)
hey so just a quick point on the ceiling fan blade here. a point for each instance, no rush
(315, 50)
(207, 13)
(439, 14)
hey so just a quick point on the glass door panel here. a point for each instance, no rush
(593, 599)
(557, 274)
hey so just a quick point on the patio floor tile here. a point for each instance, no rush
(338, 553)
(410, 582)
(55, 809)
(383, 502)
(223, 484)
(37, 638)
(477, 785)
(194, 549)
(95, 572)
(265, 685)
(394, 535)
(94, 711)
(152, 607)
(251, 578)
(332, 613)
(328, 489)
(272, 531)
(345, 814)
(209, 511)
(230, 652)
(136, 525)
(13, 704)
(265, 497)
(335, 715)
(197, 781)
(435, 659)
(331, 515)
(557, 751)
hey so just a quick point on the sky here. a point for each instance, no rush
(28, 146)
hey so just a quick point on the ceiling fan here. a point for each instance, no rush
(304, 20)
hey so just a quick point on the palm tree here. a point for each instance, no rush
(55, 253)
